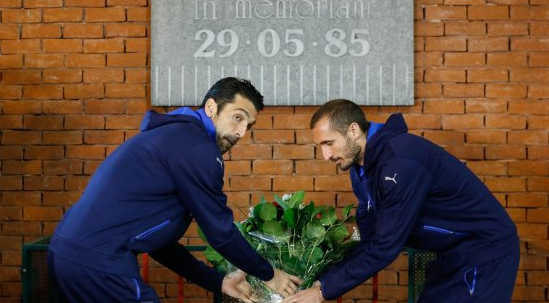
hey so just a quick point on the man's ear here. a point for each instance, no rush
(210, 108)
(354, 130)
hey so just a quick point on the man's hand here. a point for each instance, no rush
(283, 283)
(236, 286)
(310, 295)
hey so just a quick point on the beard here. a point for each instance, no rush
(226, 142)
(351, 155)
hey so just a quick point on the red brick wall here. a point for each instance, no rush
(75, 82)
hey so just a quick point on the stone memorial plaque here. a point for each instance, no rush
(295, 52)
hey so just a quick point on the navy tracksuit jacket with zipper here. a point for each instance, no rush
(411, 192)
(142, 198)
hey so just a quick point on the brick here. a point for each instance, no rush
(499, 152)
(12, 3)
(445, 44)
(530, 137)
(104, 46)
(21, 15)
(293, 183)
(85, 3)
(487, 75)
(125, 30)
(85, 152)
(22, 107)
(11, 183)
(127, 60)
(529, 107)
(251, 152)
(90, 166)
(424, 29)
(11, 152)
(104, 106)
(62, 45)
(44, 60)
(56, 15)
(532, 231)
(40, 31)
(61, 198)
(445, 137)
(444, 106)
(530, 75)
(45, 91)
(538, 122)
(485, 106)
(539, 28)
(86, 60)
(42, 3)
(295, 121)
(76, 183)
(238, 168)
(505, 121)
(83, 31)
(518, 215)
(530, 12)
(463, 90)
(314, 167)
(538, 184)
(466, 152)
(250, 183)
(538, 152)
(44, 152)
(445, 75)
(137, 45)
(126, 2)
(539, 59)
(19, 229)
(273, 136)
(20, 198)
(487, 137)
(125, 91)
(445, 12)
(103, 137)
(491, 44)
(507, 29)
(304, 137)
(529, 44)
(33, 167)
(506, 91)
(138, 14)
(22, 77)
(62, 76)
(24, 46)
(43, 122)
(105, 14)
(123, 122)
(9, 31)
(505, 184)
(80, 91)
(527, 200)
(42, 213)
(510, 59)
(428, 59)
(272, 167)
(103, 75)
(423, 121)
(528, 168)
(465, 28)
(11, 122)
(62, 137)
(138, 75)
(11, 61)
(62, 107)
(84, 122)
(293, 152)
(332, 183)
(428, 90)
(538, 91)
(488, 12)
(11, 91)
(488, 168)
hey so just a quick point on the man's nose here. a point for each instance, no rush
(241, 131)
(326, 153)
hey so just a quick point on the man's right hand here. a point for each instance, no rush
(283, 283)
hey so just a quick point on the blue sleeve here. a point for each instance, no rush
(198, 174)
(398, 208)
(178, 259)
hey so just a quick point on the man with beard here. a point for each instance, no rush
(412, 192)
(144, 196)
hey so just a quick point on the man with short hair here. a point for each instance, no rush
(144, 196)
(412, 192)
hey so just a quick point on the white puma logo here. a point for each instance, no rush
(220, 162)
(391, 179)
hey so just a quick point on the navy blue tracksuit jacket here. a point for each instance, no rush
(142, 198)
(411, 192)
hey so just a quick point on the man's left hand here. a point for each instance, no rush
(310, 295)
(235, 285)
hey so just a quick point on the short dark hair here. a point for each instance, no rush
(224, 91)
(341, 113)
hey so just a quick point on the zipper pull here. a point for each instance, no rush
(369, 205)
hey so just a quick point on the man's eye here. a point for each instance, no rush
(238, 117)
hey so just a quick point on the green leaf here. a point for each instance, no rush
(329, 216)
(273, 228)
(312, 255)
(347, 211)
(314, 231)
(317, 210)
(296, 198)
(212, 255)
(267, 212)
(290, 216)
(338, 233)
(281, 202)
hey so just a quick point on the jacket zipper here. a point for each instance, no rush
(152, 230)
